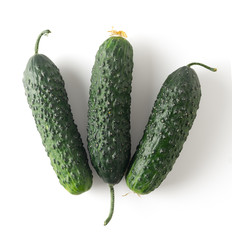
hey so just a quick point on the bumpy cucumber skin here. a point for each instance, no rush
(48, 100)
(109, 140)
(166, 131)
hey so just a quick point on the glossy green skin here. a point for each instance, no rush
(109, 140)
(48, 100)
(168, 127)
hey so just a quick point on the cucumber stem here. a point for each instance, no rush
(203, 65)
(111, 205)
(45, 32)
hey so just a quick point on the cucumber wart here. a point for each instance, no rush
(48, 100)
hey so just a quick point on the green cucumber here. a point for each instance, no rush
(48, 100)
(166, 131)
(109, 141)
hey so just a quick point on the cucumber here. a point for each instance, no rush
(109, 140)
(166, 131)
(48, 100)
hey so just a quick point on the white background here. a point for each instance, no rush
(194, 201)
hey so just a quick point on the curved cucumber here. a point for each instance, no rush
(109, 141)
(48, 100)
(166, 131)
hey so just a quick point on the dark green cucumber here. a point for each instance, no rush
(109, 141)
(48, 100)
(166, 131)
